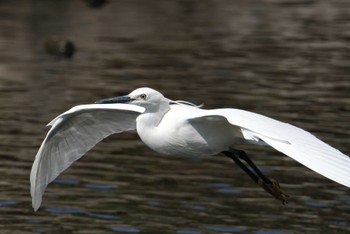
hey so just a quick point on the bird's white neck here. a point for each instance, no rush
(153, 115)
(147, 123)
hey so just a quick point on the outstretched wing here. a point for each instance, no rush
(292, 141)
(72, 134)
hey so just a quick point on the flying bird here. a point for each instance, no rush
(180, 128)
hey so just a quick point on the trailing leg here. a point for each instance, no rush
(269, 185)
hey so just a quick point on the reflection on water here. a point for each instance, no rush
(287, 59)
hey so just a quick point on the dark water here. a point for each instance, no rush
(289, 59)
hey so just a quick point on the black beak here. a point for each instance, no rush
(121, 99)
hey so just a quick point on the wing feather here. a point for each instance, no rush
(72, 134)
(292, 141)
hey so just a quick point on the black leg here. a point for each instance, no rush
(242, 155)
(270, 186)
(234, 158)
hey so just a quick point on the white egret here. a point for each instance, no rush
(179, 128)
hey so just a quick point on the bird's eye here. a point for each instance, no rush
(143, 96)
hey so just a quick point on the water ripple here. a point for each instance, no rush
(218, 228)
(100, 186)
(125, 229)
(267, 231)
(8, 202)
(188, 231)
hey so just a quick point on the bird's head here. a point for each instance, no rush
(145, 97)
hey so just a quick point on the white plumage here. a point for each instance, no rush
(174, 128)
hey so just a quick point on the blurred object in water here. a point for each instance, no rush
(59, 46)
(96, 3)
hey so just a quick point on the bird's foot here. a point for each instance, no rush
(275, 190)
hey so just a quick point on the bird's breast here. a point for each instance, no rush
(176, 136)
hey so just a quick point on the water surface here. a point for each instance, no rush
(286, 59)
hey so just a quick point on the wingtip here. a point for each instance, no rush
(36, 205)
